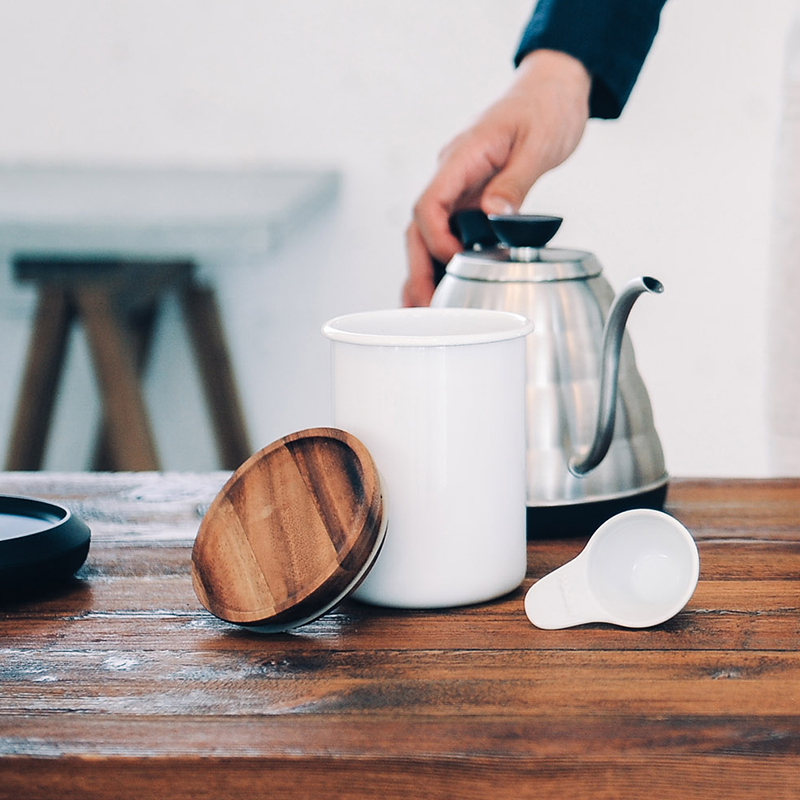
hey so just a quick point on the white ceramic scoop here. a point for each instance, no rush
(639, 569)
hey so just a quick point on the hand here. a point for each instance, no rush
(535, 126)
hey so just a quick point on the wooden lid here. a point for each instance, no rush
(292, 532)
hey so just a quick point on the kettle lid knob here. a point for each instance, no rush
(524, 230)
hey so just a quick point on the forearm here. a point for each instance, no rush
(610, 37)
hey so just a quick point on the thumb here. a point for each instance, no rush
(505, 193)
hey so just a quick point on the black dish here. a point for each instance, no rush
(41, 544)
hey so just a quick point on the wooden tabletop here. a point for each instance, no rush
(123, 686)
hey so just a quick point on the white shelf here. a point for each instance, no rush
(208, 215)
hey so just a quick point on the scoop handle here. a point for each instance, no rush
(562, 598)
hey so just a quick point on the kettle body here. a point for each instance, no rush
(569, 301)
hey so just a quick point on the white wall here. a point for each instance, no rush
(678, 188)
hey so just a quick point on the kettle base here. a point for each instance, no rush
(583, 519)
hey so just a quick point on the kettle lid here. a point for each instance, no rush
(510, 248)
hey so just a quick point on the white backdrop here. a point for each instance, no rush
(679, 188)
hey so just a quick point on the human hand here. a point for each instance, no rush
(535, 126)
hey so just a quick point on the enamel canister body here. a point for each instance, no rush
(437, 397)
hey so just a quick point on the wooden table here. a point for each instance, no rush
(122, 686)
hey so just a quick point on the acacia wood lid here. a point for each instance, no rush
(292, 532)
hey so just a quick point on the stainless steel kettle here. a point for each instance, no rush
(592, 448)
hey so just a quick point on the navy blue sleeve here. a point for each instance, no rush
(610, 37)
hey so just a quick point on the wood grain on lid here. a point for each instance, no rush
(291, 531)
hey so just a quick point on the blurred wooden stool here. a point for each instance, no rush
(117, 303)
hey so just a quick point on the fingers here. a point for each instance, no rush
(431, 222)
(418, 288)
(465, 168)
(453, 185)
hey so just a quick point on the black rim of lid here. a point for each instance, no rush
(56, 550)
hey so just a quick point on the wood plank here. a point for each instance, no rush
(123, 549)
(118, 586)
(445, 736)
(188, 629)
(476, 778)
(399, 682)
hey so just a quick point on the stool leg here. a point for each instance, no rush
(129, 435)
(43, 369)
(205, 331)
(141, 325)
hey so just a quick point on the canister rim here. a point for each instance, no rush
(427, 327)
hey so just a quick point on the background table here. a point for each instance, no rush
(123, 686)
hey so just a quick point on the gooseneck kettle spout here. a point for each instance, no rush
(612, 344)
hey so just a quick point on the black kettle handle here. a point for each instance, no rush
(471, 227)
(439, 271)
